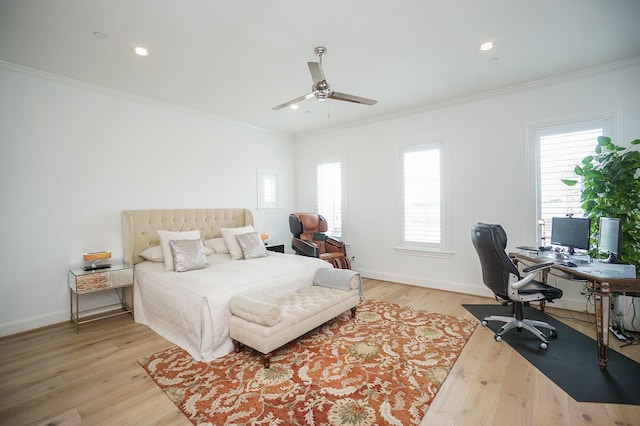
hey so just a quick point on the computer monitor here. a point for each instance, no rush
(610, 240)
(571, 232)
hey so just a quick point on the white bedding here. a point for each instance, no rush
(191, 309)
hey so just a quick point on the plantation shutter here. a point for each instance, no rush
(268, 190)
(422, 196)
(329, 178)
(559, 154)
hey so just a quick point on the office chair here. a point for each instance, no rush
(309, 239)
(501, 275)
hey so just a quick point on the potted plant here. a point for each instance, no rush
(611, 179)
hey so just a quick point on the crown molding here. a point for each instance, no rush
(516, 88)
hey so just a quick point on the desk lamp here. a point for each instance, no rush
(543, 238)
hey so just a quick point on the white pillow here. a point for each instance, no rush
(166, 236)
(217, 245)
(229, 235)
(154, 254)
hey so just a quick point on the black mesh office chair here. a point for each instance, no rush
(501, 275)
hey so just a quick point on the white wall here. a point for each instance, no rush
(489, 178)
(72, 157)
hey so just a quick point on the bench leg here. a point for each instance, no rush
(266, 360)
(236, 345)
(353, 312)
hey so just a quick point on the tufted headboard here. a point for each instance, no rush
(139, 226)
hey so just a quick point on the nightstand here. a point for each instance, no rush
(117, 278)
(278, 248)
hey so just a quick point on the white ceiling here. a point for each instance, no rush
(236, 59)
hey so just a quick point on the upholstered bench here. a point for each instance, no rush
(268, 325)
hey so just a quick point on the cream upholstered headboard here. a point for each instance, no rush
(139, 226)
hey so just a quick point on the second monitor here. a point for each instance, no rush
(610, 239)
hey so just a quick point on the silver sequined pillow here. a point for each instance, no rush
(188, 255)
(251, 245)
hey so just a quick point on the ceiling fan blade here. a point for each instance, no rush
(352, 98)
(294, 101)
(316, 71)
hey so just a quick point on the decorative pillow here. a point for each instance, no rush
(251, 245)
(254, 310)
(341, 279)
(188, 255)
(229, 235)
(217, 245)
(166, 236)
(154, 254)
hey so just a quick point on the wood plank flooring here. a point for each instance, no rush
(53, 376)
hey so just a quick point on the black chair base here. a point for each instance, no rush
(518, 322)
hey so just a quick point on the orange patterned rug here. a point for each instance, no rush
(383, 367)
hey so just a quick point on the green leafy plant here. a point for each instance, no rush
(611, 179)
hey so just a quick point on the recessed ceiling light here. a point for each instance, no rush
(487, 45)
(140, 51)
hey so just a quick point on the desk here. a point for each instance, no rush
(602, 287)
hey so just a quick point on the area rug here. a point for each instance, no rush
(383, 367)
(571, 360)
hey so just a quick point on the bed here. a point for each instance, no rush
(191, 309)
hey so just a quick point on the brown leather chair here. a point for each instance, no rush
(309, 239)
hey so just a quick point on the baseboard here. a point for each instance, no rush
(437, 285)
(33, 323)
(578, 305)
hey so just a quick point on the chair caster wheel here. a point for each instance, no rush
(484, 323)
(543, 346)
(554, 334)
(498, 338)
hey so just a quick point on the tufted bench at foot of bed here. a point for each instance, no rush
(266, 326)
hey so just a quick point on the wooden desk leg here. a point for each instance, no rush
(602, 300)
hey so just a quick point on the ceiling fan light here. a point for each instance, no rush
(321, 96)
(140, 51)
(294, 106)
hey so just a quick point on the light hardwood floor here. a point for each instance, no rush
(52, 376)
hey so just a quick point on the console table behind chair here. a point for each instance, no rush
(602, 288)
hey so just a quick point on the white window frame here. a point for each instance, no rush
(535, 132)
(442, 248)
(268, 189)
(332, 230)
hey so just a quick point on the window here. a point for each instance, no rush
(558, 150)
(422, 195)
(329, 195)
(267, 189)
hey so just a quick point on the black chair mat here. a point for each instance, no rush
(571, 361)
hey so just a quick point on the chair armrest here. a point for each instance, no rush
(530, 274)
(305, 248)
(538, 267)
(333, 245)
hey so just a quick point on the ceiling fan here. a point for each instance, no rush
(321, 89)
